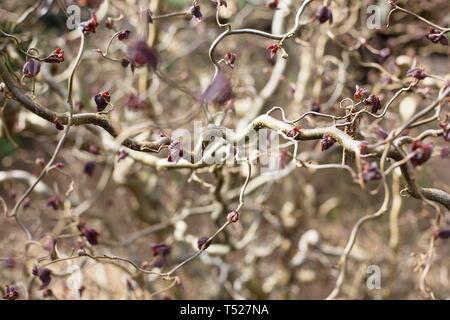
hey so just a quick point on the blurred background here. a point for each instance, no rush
(294, 225)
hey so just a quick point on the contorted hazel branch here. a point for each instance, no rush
(263, 121)
(100, 120)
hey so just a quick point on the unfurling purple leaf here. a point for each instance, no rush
(139, 54)
(44, 274)
(219, 90)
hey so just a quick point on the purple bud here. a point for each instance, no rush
(417, 73)
(90, 234)
(89, 26)
(437, 36)
(443, 233)
(122, 154)
(370, 171)
(11, 292)
(233, 216)
(230, 58)
(89, 168)
(124, 35)
(373, 101)
(44, 274)
(203, 243)
(324, 14)
(31, 68)
(160, 249)
(327, 142)
(195, 11)
(54, 202)
(102, 100)
(58, 125)
(294, 132)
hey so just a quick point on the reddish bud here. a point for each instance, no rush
(60, 165)
(273, 49)
(437, 36)
(417, 73)
(446, 130)
(233, 216)
(359, 93)
(230, 58)
(57, 56)
(273, 4)
(54, 202)
(58, 125)
(423, 152)
(327, 142)
(294, 132)
(195, 11)
(102, 100)
(89, 25)
(124, 35)
(373, 101)
(11, 292)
